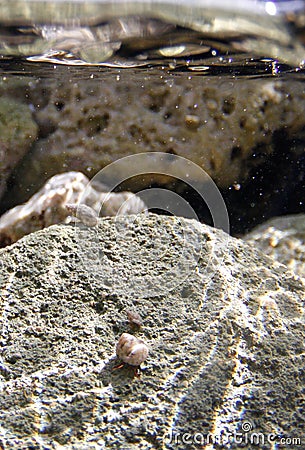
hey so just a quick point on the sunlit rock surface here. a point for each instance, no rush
(226, 343)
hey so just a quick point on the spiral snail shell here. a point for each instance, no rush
(131, 350)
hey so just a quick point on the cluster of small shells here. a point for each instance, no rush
(61, 197)
(123, 203)
(130, 349)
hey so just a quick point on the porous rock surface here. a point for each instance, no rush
(17, 132)
(282, 238)
(226, 128)
(226, 343)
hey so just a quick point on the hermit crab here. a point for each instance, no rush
(132, 351)
(84, 213)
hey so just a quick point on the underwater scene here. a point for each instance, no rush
(152, 224)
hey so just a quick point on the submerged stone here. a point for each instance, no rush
(227, 128)
(56, 201)
(224, 324)
(17, 133)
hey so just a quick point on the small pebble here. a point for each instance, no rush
(134, 319)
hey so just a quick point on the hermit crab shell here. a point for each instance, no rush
(84, 213)
(131, 350)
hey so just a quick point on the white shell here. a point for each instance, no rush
(131, 350)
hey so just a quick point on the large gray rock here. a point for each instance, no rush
(226, 343)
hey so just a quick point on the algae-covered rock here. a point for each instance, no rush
(224, 324)
(226, 127)
(282, 238)
(17, 133)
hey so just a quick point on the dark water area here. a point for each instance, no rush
(239, 115)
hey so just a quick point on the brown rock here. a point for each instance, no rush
(226, 128)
